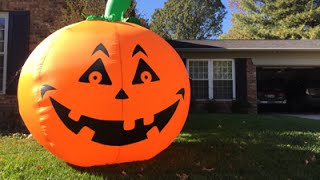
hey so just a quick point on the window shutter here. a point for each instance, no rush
(241, 78)
(18, 47)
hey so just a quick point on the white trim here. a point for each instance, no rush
(234, 80)
(5, 15)
(187, 64)
(247, 49)
(210, 78)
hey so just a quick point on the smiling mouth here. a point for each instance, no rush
(111, 132)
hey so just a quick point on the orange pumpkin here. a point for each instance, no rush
(97, 92)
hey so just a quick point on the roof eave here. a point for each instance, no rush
(246, 50)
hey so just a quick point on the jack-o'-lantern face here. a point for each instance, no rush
(112, 132)
(104, 93)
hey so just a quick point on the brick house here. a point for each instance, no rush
(224, 71)
(220, 71)
(22, 27)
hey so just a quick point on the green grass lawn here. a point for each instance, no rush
(211, 146)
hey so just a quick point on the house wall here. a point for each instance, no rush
(251, 79)
(42, 14)
(252, 86)
(272, 58)
(45, 12)
(10, 119)
(287, 59)
(256, 59)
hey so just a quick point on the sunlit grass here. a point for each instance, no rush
(211, 146)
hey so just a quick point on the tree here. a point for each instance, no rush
(76, 10)
(132, 12)
(275, 19)
(189, 19)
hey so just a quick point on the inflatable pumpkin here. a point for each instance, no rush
(98, 92)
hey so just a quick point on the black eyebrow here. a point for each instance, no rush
(138, 49)
(101, 47)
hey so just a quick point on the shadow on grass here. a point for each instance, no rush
(232, 147)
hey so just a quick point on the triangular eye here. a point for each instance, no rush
(96, 74)
(144, 73)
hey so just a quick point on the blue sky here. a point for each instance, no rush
(146, 8)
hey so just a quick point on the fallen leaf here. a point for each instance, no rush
(198, 164)
(208, 169)
(124, 173)
(182, 176)
(306, 161)
(29, 136)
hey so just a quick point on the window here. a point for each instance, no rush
(198, 72)
(222, 80)
(3, 50)
(212, 79)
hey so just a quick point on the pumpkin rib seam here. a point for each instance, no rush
(38, 95)
(120, 60)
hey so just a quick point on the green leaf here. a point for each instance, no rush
(189, 19)
(275, 19)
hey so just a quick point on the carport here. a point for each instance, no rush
(288, 78)
(290, 89)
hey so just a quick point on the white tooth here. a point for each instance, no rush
(129, 124)
(86, 133)
(74, 116)
(148, 120)
(153, 133)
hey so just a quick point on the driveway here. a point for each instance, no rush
(305, 116)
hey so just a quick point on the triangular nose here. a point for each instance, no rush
(122, 95)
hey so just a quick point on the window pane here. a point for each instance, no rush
(230, 66)
(225, 75)
(205, 75)
(2, 35)
(217, 72)
(199, 89)
(1, 72)
(222, 70)
(1, 61)
(2, 23)
(1, 46)
(223, 89)
(198, 69)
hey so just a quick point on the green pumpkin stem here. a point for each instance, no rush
(115, 9)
